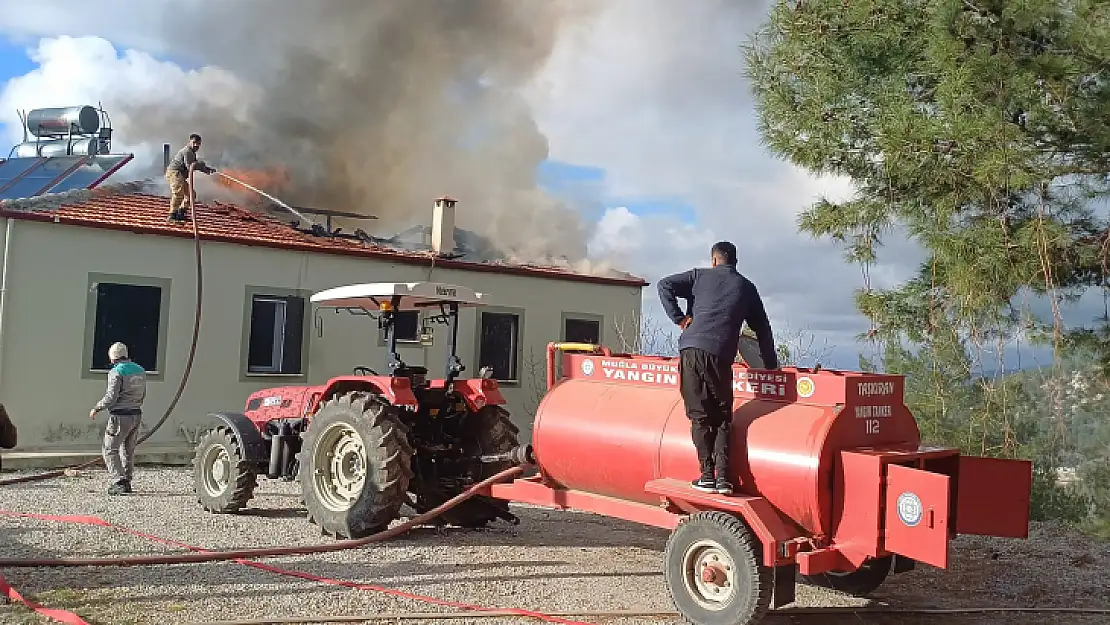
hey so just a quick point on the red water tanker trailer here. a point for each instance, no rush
(833, 482)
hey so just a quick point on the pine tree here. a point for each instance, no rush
(981, 130)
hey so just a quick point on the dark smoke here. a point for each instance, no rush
(379, 107)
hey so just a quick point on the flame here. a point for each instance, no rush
(271, 179)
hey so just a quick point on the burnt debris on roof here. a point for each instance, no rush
(61, 176)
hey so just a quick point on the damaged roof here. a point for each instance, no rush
(143, 213)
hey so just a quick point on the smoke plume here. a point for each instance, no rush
(376, 107)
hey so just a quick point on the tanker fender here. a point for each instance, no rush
(775, 532)
(246, 434)
(479, 393)
(396, 391)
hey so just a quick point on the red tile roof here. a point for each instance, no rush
(146, 214)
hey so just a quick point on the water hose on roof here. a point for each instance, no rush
(267, 196)
(188, 361)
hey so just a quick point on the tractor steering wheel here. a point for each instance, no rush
(364, 371)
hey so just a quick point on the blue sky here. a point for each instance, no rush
(622, 134)
(578, 183)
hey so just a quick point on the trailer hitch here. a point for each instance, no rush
(517, 455)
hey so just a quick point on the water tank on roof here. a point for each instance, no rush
(80, 120)
(84, 146)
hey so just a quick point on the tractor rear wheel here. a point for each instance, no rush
(714, 571)
(355, 465)
(860, 582)
(223, 479)
(489, 430)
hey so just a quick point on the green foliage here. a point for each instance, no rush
(977, 128)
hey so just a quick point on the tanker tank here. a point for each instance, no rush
(615, 423)
(52, 122)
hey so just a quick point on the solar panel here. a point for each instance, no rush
(30, 177)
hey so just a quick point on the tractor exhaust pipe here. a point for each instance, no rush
(521, 455)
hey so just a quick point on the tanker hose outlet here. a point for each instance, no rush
(517, 455)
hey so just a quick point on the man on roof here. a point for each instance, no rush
(177, 174)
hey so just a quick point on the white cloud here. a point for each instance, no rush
(88, 70)
(653, 92)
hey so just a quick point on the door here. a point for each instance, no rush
(992, 497)
(916, 518)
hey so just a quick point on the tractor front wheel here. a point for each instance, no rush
(860, 582)
(222, 477)
(714, 571)
(488, 431)
(355, 465)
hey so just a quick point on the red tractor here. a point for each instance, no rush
(363, 445)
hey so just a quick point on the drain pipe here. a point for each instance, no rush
(8, 222)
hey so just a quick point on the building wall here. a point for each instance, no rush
(48, 388)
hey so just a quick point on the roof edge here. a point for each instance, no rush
(517, 270)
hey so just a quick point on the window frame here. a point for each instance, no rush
(518, 359)
(250, 293)
(579, 316)
(94, 279)
(404, 342)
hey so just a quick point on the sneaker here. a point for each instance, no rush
(705, 485)
(117, 489)
(723, 487)
(126, 484)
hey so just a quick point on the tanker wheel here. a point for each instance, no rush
(860, 582)
(714, 571)
(355, 465)
(223, 479)
(490, 430)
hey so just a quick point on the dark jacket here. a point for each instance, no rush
(719, 300)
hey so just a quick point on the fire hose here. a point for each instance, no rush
(269, 552)
(184, 375)
(435, 616)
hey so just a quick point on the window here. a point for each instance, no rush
(276, 334)
(130, 314)
(406, 325)
(581, 330)
(499, 344)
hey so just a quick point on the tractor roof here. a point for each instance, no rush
(413, 295)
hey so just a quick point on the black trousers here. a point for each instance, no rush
(706, 384)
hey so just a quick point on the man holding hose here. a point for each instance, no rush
(177, 175)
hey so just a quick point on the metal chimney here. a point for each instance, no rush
(443, 225)
(165, 156)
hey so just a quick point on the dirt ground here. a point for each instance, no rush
(552, 562)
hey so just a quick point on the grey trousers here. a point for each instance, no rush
(120, 437)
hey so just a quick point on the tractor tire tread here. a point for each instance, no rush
(388, 465)
(241, 490)
(496, 433)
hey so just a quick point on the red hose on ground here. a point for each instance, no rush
(188, 362)
(260, 552)
(62, 616)
(209, 556)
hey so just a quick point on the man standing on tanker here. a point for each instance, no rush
(177, 175)
(719, 301)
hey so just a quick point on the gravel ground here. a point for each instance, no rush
(553, 561)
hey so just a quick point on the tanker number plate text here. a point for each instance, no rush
(871, 416)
